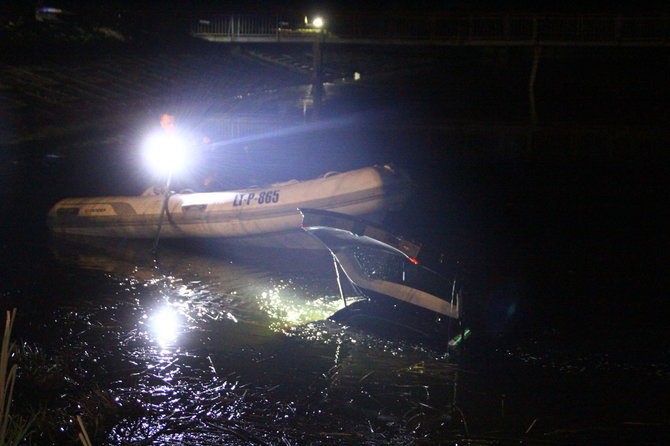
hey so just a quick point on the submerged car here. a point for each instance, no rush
(389, 271)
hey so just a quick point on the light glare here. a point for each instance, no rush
(166, 154)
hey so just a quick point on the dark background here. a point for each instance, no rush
(560, 227)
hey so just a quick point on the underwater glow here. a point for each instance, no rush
(285, 309)
(164, 326)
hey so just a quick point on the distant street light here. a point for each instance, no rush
(317, 80)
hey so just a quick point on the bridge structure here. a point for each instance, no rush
(527, 30)
(534, 31)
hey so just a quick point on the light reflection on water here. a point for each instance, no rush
(164, 325)
(205, 344)
(254, 358)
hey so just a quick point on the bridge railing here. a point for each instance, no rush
(504, 29)
(237, 25)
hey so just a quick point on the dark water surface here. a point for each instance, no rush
(556, 225)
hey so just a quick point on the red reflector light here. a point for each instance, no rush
(413, 260)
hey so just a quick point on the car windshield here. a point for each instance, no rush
(383, 264)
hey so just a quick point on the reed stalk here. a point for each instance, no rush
(11, 433)
(83, 435)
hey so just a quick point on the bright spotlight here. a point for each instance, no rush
(318, 22)
(165, 153)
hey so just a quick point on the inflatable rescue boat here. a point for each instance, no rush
(258, 214)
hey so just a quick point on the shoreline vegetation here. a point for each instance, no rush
(13, 428)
